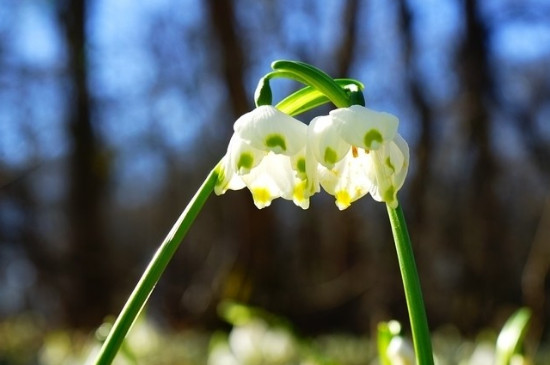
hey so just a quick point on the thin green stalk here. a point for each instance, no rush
(411, 284)
(152, 274)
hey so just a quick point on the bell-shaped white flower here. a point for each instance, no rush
(369, 155)
(267, 155)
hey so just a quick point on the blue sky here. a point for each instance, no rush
(136, 106)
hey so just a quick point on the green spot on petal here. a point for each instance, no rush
(372, 136)
(330, 156)
(276, 142)
(301, 165)
(389, 164)
(246, 160)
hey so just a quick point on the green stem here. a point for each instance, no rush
(312, 76)
(152, 274)
(411, 284)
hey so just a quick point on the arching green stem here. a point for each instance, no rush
(312, 76)
(154, 270)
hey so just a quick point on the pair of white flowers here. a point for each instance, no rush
(349, 153)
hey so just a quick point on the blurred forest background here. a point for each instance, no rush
(113, 112)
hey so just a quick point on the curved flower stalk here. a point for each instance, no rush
(267, 154)
(359, 151)
(351, 152)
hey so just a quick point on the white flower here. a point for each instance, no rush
(267, 155)
(400, 352)
(350, 152)
(359, 151)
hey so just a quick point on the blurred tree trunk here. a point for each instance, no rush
(535, 283)
(232, 60)
(422, 181)
(536, 273)
(525, 117)
(255, 230)
(482, 237)
(424, 148)
(345, 53)
(90, 283)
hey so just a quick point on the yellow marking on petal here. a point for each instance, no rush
(343, 200)
(299, 195)
(262, 197)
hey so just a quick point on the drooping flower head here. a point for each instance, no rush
(359, 151)
(267, 155)
(350, 152)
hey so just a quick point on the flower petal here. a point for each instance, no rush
(390, 164)
(268, 129)
(365, 128)
(227, 178)
(399, 147)
(298, 162)
(348, 180)
(243, 156)
(326, 143)
(274, 178)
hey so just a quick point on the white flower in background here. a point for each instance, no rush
(266, 154)
(253, 343)
(400, 352)
(244, 342)
(359, 151)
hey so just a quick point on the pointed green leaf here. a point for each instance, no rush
(511, 336)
